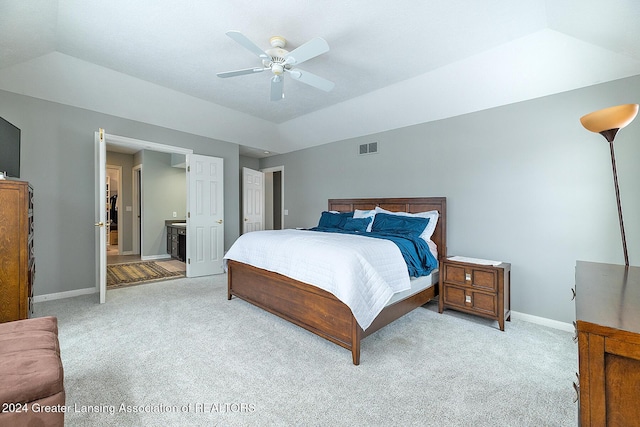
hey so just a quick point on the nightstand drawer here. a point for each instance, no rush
(454, 295)
(470, 277)
(479, 302)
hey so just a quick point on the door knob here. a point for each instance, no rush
(246, 219)
(99, 224)
(219, 221)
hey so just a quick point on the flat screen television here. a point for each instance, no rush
(9, 149)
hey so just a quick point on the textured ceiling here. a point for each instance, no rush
(374, 44)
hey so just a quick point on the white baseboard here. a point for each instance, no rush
(152, 257)
(127, 253)
(66, 294)
(563, 326)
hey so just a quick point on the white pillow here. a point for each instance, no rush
(429, 229)
(433, 248)
(366, 214)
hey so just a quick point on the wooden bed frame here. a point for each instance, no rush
(319, 311)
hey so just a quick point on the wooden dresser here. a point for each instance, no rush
(17, 262)
(608, 331)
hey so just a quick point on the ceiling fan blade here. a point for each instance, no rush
(240, 72)
(312, 80)
(248, 44)
(309, 50)
(277, 88)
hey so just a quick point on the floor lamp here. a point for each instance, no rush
(608, 122)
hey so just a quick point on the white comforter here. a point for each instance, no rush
(362, 272)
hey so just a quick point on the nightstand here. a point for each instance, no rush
(476, 286)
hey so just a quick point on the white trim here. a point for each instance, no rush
(136, 195)
(152, 257)
(123, 141)
(66, 294)
(555, 324)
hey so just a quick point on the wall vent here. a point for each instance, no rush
(370, 148)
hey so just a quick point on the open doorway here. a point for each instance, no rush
(201, 185)
(125, 262)
(274, 198)
(139, 209)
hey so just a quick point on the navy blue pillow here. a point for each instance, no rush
(398, 224)
(357, 224)
(334, 220)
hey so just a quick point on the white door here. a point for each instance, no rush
(100, 158)
(252, 200)
(205, 217)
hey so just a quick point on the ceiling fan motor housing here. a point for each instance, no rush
(277, 54)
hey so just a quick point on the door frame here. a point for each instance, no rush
(136, 196)
(281, 170)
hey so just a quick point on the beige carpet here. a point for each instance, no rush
(119, 275)
(181, 354)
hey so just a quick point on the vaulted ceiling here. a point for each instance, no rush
(393, 63)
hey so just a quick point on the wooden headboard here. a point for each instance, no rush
(411, 205)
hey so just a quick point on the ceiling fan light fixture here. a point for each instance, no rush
(277, 69)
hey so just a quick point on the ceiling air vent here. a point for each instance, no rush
(370, 148)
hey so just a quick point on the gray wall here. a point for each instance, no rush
(249, 162)
(58, 159)
(525, 184)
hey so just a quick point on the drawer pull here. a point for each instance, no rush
(575, 328)
(573, 291)
(576, 387)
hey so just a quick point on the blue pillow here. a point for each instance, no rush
(397, 224)
(334, 220)
(357, 224)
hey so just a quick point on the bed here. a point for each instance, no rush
(319, 311)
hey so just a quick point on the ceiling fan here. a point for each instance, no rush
(280, 61)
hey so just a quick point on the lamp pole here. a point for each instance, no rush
(617, 188)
